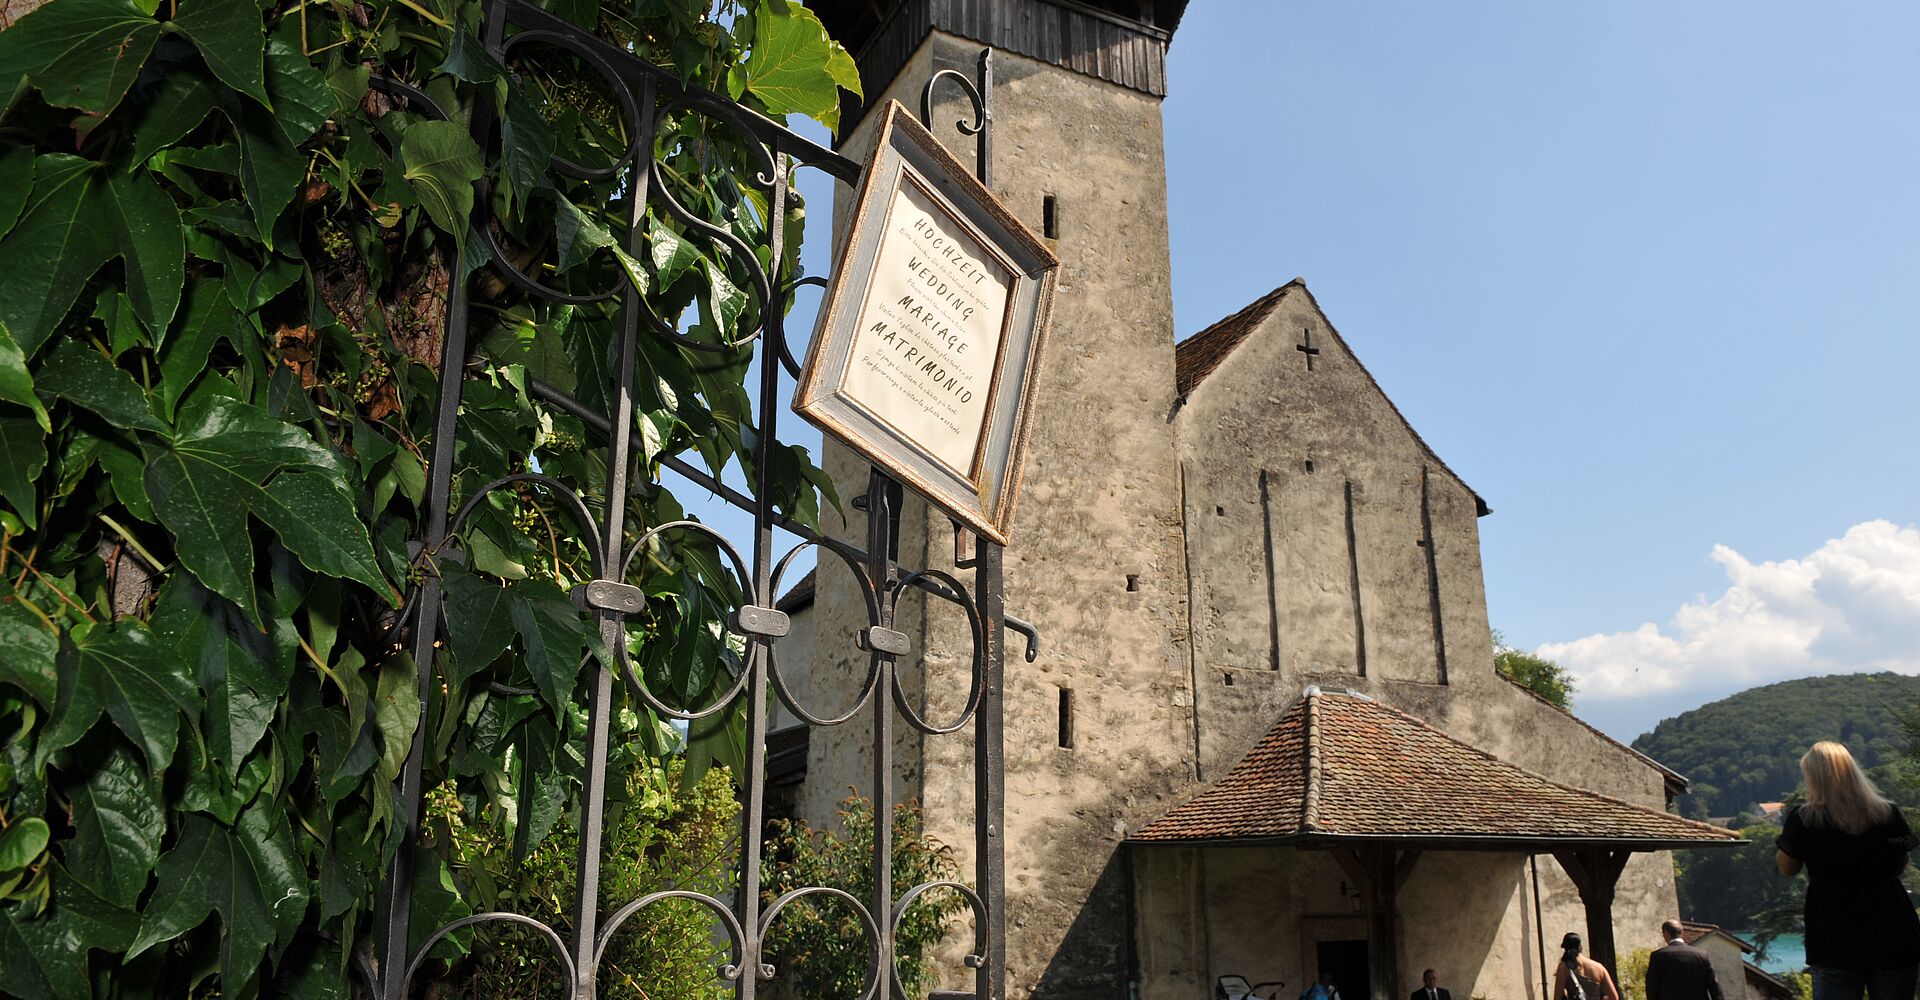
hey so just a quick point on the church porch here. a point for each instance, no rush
(1356, 836)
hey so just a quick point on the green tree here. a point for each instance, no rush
(1745, 749)
(1542, 676)
(1735, 887)
(225, 252)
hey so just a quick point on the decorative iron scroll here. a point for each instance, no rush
(646, 97)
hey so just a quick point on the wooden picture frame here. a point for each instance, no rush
(930, 334)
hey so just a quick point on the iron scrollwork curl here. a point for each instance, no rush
(649, 98)
(943, 585)
(780, 687)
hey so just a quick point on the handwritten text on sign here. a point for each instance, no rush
(927, 341)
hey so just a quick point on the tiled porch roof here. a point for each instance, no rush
(1339, 766)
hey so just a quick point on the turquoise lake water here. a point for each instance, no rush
(1788, 953)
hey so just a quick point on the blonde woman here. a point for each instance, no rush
(1862, 933)
(1580, 977)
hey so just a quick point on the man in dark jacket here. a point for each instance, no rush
(1680, 971)
(1429, 991)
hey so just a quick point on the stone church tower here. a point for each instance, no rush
(1097, 563)
(1211, 535)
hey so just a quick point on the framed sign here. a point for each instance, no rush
(930, 333)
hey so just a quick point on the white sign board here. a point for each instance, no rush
(931, 330)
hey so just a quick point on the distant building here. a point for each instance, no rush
(1774, 813)
(1730, 966)
(1265, 736)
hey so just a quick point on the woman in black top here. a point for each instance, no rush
(1862, 933)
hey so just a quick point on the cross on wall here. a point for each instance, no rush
(1306, 346)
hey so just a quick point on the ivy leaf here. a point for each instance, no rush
(146, 228)
(76, 220)
(210, 870)
(202, 485)
(576, 236)
(553, 635)
(32, 650)
(436, 903)
(179, 104)
(209, 317)
(16, 383)
(796, 67)
(15, 162)
(22, 843)
(204, 506)
(83, 376)
(46, 956)
(236, 668)
(271, 169)
(726, 302)
(212, 475)
(315, 518)
(231, 40)
(23, 453)
(526, 142)
(41, 963)
(127, 673)
(479, 625)
(396, 712)
(467, 59)
(125, 471)
(81, 54)
(117, 824)
(268, 842)
(672, 255)
(442, 164)
(301, 98)
(54, 248)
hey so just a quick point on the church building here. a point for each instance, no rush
(1263, 735)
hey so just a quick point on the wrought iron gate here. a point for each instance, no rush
(646, 95)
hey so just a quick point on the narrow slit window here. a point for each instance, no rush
(1066, 718)
(1050, 217)
(1133, 582)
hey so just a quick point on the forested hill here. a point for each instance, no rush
(1746, 748)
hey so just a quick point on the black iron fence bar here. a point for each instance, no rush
(648, 94)
(699, 477)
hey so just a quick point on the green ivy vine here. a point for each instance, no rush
(225, 255)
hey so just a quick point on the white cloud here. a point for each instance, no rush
(1852, 605)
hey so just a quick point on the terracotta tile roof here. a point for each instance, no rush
(1197, 356)
(1763, 981)
(797, 597)
(1692, 932)
(1342, 766)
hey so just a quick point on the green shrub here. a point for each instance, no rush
(820, 948)
(1633, 974)
(659, 834)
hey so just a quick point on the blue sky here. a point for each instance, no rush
(1643, 274)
